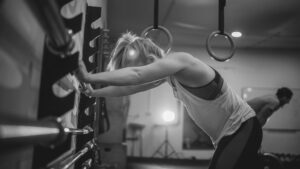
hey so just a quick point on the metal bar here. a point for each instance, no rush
(85, 130)
(21, 132)
(71, 161)
(76, 157)
(45, 132)
(87, 164)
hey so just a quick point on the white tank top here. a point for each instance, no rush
(217, 118)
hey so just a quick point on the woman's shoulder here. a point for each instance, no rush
(182, 56)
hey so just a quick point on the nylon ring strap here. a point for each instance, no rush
(158, 27)
(156, 10)
(220, 32)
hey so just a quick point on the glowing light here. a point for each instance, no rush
(132, 54)
(236, 34)
(249, 89)
(168, 116)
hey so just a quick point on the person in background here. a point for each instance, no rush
(137, 64)
(265, 106)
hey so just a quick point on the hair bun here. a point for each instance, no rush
(129, 37)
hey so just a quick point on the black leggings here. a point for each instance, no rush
(239, 150)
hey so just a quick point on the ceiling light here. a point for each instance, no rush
(236, 34)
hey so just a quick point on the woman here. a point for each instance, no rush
(137, 64)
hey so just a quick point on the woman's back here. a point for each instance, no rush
(217, 117)
(196, 73)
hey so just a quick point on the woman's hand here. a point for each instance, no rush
(88, 90)
(81, 73)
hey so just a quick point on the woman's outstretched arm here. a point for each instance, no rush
(117, 91)
(135, 75)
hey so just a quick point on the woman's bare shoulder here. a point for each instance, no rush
(182, 56)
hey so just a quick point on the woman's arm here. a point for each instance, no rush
(157, 70)
(117, 91)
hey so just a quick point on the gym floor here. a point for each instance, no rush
(155, 163)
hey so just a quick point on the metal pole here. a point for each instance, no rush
(65, 165)
(166, 143)
(24, 132)
(48, 132)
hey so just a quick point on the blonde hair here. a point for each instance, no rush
(144, 46)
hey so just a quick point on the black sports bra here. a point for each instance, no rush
(209, 91)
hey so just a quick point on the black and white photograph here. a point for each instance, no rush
(149, 84)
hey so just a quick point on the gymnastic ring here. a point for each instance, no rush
(163, 29)
(61, 50)
(212, 54)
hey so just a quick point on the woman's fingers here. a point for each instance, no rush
(88, 90)
(81, 73)
(81, 65)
